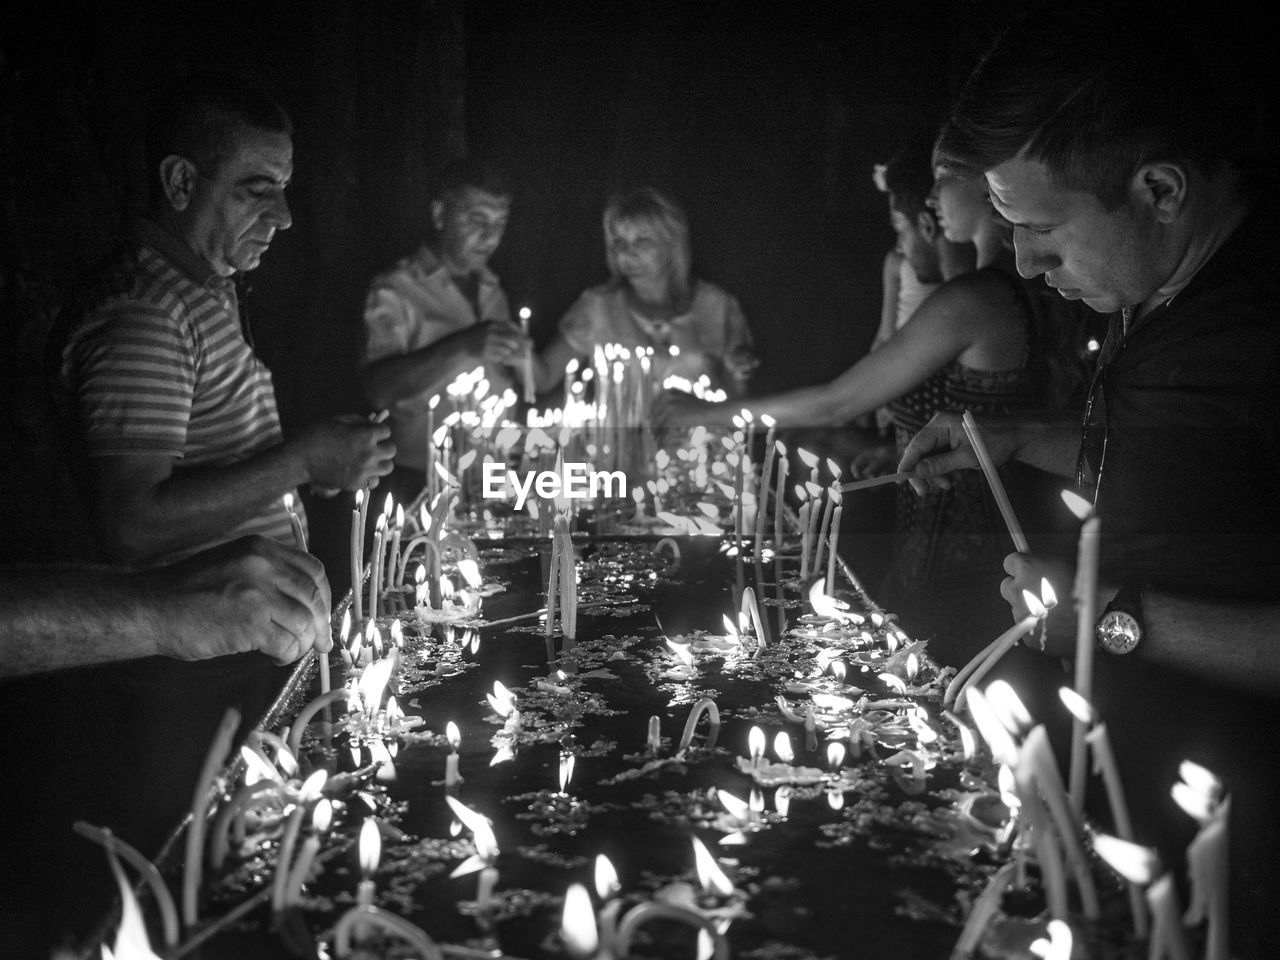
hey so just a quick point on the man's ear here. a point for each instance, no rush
(437, 214)
(926, 226)
(1161, 187)
(177, 180)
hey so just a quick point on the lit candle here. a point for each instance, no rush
(607, 888)
(193, 863)
(375, 564)
(1086, 597)
(309, 793)
(987, 658)
(299, 536)
(529, 394)
(835, 539)
(357, 555)
(803, 496)
(1200, 795)
(783, 467)
(370, 854)
(393, 555)
(1104, 763)
(755, 744)
(654, 739)
(578, 924)
(815, 514)
(820, 543)
(320, 819)
(766, 479)
(451, 776)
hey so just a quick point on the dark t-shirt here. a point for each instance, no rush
(1190, 490)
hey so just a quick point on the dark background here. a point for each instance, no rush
(764, 119)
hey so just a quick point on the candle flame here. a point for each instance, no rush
(470, 571)
(1048, 596)
(1200, 779)
(1134, 862)
(373, 681)
(998, 738)
(566, 769)
(913, 666)
(710, 876)
(1058, 946)
(1008, 706)
(312, 786)
(756, 742)
(839, 669)
(755, 801)
(322, 816)
(256, 768)
(835, 754)
(782, 747)
(683, 655)
(606, 878)
(1008, 785)
(893, 682)
(578, 923)
(1034, 607)
(823, 605)
(1193, 803)
(288, 502)
(835, 799)
(1078, 705)
(345, 632)
(737, 808)
(370, 847)
(729, 629)
(810, 459)
(502, 700)
(1077, 504)
(453, 735)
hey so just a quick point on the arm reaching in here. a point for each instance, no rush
(146, 505)
(432, 368)
(250, 594)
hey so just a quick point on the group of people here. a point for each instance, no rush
(1083, 150)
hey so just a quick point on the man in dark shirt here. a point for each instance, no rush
(1107, 149)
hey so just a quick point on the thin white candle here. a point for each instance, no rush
(993, 481)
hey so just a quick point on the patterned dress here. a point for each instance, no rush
(949, 546)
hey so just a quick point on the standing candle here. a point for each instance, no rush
(835, 539)
(1167, 938)
(451, 775)
(193, 862)
(357, 555)
(821, 542)
(1199, 794)
(783, 468)
(393, 555)
(766, 479)
(375, 564)
(299, 535)
(320, 818)
(804, 531)
(529, 395)
(370, 854)
(1086, 595)
(309, 793)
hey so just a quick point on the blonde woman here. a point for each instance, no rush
(653, 300)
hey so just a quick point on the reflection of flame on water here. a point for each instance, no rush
(566, 769)
(755, 743)
(782, 800)
(578, 922)
(682, 653)
(1008, 707)
(502, 699)
(835, 799)
(370, 847)
(782, 747)
(835, 754)
(481, 831)
(1058, 946)
(606, 878)
(710, 876)
(373, 681)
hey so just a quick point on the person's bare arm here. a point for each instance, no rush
(944, 327)
(550, 361)
(432, 368)
(148, 505)
(250, 594)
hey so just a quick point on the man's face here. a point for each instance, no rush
(470, 224)
(1107, 258)
(916, 247)
(232, 216)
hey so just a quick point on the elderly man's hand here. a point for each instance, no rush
(675, 408)
(347, 452)
(249, 594)
(1028, 572)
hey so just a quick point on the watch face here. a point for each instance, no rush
(1119, 632)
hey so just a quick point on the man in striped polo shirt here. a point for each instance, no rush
(181, 438)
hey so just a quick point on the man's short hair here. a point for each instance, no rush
(199, 118)
(908, 178)
(479, 173)
(1091, 91)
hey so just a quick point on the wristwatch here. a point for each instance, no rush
(1119, 629)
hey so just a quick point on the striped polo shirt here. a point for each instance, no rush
(157, 363)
